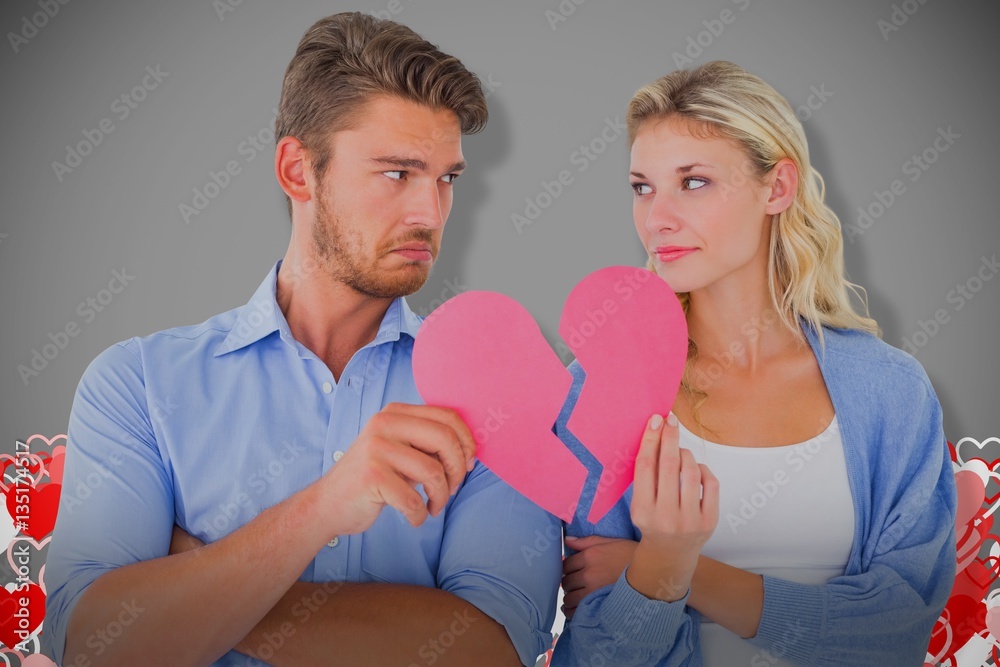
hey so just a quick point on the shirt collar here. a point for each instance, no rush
(261, 317)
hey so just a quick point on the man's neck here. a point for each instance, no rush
(326, 316)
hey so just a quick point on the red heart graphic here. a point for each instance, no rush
(983, 572)
(990, 500)
(12, 631)
(968, 618)
(482, 354)
(23, 463)
(38, 506)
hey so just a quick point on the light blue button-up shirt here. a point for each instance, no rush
(210, 424)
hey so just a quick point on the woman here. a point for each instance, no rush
(815, 517)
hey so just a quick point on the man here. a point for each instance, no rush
(323, 515)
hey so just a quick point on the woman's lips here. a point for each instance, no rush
(673, 253)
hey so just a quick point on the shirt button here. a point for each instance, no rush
(337, 455)
(327, 387)
(334, 542)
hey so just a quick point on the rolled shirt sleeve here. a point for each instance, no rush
(503, 554)
(114, 476)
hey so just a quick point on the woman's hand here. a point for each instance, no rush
(598, 563)
(675, 505)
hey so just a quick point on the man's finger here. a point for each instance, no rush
(429, 436)
(447, 416)
(398, 494)
(416, 467)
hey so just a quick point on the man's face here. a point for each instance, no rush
(381, 205)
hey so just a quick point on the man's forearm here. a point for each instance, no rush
(377, 624)
(731, 597)
(190, 608)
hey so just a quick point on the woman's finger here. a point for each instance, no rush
(646, 464)
(691, 485)
(668, 481)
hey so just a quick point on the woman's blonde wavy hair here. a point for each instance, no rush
(806, 273)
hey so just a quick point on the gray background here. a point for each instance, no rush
(556, 87)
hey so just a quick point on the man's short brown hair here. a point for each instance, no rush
(345, 59)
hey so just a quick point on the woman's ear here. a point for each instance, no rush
(784, 181)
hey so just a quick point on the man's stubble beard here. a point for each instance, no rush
(344, 259)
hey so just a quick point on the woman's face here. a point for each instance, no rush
(700, 211)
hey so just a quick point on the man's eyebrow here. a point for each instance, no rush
(412, 163)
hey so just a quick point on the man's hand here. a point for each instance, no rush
(400, 447)
(598, 563)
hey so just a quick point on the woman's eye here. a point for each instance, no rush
(694, 183)
(395, 175)
(641, 188)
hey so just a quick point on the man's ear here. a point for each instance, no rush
(293, 170)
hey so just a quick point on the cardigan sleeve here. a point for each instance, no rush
(883, 615)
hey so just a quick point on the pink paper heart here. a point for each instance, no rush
(37, 660)
(482, 354)
(634, 358)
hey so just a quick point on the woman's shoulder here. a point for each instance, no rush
(863, 359)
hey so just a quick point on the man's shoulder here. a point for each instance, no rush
(170, 345)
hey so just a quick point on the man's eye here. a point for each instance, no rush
(395, 175)
(641, 188)
(694, 183)
(449, 178)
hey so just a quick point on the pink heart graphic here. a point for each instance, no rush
(482, 354)
(971, 493)
(57, 464)
(48, 441)
(30, 542)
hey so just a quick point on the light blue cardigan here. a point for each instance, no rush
(902, 563)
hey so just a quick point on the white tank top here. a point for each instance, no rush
(783, 511)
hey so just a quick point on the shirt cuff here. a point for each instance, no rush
(637, 619)
(519, 620)
(791, 620)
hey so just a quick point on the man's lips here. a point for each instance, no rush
(415, 252)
